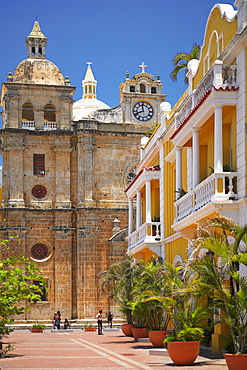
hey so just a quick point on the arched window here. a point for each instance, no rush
(153, 90)
(49, 113)
(33, 50)
(142, 88)
(132, 88)
(40, 51)
(27, 112)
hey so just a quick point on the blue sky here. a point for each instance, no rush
(115, 35)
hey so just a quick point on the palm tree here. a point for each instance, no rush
(181, 60)
(118, 283)
(227, 242)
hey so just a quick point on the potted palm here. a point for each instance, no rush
(220, 276)
(150, 300)
(189, 318)
(37, 328)
(118, 284)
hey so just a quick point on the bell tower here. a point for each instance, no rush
(36, 43)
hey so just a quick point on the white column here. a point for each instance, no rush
(130, 216)
(196, 157)
(138, 209)
(178, 169)
(148, 201)
(218, 144)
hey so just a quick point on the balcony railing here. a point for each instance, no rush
(29, 125)
(148, 232)
(228, 74)
(50, 125)
(217, 188)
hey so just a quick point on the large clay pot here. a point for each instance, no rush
(157, 337)
(36, 330)
(236, 362)
(126, 329)
(139, 333)
(183, 353)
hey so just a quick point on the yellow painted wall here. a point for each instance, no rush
(225, 32)
(177, 247)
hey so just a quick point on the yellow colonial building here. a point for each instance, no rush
(194, 164)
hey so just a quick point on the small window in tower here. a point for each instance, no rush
(86, 89)
(49, 113)
(40, 51)
(142, 88)
(33, 50)
(90, 89)
(39, 164)
(94, 89)
(132, 88)
(27, 112)
(153, 90)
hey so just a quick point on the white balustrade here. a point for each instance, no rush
(29, 125)
(148, 232)
(50, 125)
(229, 74)
(218, 187)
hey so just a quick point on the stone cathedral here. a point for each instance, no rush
(65, 167)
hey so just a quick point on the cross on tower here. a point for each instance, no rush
(143, 66)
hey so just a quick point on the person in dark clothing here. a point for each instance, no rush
(109, 319)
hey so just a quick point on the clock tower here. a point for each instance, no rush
(140, 97)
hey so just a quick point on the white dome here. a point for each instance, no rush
(84, 108)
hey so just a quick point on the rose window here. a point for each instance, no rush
(39, 191)
(39, 251)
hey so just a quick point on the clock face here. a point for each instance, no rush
(143, 111)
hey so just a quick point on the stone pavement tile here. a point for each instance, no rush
(89, 351)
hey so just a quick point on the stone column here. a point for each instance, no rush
(196, 157)
(86, 149)
(62, 161)
(218, 144)
(15, 175)
(178, 169)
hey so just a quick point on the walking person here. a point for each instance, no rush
(99, 321)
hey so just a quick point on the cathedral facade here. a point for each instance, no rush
(65, 167)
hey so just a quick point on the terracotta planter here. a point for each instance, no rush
(36, 330)
(126, 329)
(183, 353)
(236, 362)
(90, 329)
(157, 337)
(139, 333)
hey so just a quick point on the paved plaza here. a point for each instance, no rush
(80, 350)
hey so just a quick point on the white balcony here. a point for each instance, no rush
(146, 236)
(28, 125)
(216, 188)
(50, 125)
